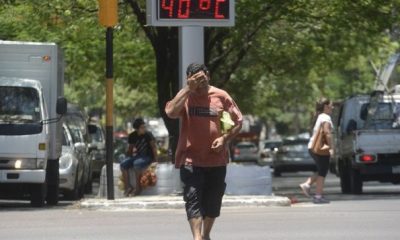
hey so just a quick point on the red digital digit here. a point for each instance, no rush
(168, 7)
(204, 4)
(184, 9)
(217, 15)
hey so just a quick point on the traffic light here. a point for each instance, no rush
(108, 12)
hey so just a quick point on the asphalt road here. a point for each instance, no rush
(358, 220)
(288, 185)
(374, 215)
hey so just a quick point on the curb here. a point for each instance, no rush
(176, 202)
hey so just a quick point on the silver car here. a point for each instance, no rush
(71, 168)
(268, 151)
(245, 152)
(293, 156)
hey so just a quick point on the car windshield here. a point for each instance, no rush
(19, 105)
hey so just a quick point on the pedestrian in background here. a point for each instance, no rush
(142, 151)
(322, 118)
(202, 153)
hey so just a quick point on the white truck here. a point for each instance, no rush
(31, 107)
(367, 134)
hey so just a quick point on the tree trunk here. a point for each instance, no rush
(167, 59)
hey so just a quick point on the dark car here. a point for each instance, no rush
(293, 156)
(98, 147)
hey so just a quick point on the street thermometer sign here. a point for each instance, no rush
(206, 13)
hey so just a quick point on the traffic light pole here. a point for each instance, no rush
(109, 113)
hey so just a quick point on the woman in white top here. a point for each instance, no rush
(322, 119)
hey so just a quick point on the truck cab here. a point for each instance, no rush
(31, 107)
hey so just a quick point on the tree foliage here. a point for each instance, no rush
(279, 57)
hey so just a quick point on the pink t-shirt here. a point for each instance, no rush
(200, 126)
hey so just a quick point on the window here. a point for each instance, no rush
(19, 105)
(384, 116)
(65, 138)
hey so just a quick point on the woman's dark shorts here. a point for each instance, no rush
(203, 190)
(322, 163)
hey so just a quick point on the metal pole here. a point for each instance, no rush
(191, 49)
(109, 113)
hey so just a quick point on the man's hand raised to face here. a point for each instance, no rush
(195, 80)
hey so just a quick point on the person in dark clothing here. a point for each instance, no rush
(142, 151)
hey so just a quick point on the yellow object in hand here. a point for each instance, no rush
(226, 122)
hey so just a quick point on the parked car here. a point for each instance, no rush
(245, 152)
(293, 156)
(77, 122)
(268, 151)
(98, 148)
(71, 167)
(120, 146)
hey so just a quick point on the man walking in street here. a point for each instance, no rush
(202, 152)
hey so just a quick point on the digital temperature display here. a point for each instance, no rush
(194, 9)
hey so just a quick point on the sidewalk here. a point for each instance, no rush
(176, 202)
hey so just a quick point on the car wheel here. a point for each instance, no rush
(356, 182)
(89, 184)
(38, 194)
(277, 173)
(344, 175)
(74, 194)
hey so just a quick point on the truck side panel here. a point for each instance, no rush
(378, 141)
(42, 62)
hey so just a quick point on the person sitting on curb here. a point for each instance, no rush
(142, 151)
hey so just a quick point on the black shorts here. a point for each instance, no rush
(203, 190)
(322, 163)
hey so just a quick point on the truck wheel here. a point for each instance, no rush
(277, 173)
(89, 184)
(344, 175)
(53, 181)
(74, 193)
(52, 195)
(38, 194)
(356, 181)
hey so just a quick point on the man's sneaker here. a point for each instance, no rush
(306, 189)
(320, 200)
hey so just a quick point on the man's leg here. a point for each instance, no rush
(193, 181)
(195, 226)
(138, 176)
(207, 226)
(125, 165)
(125, 179)
(213, 193)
